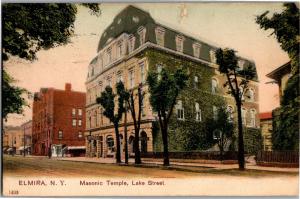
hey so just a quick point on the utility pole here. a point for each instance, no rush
(125, 135)
(24, 140)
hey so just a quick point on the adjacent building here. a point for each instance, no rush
(58, 122)
(266, 130)
(133, 44)
(13, 139)
(27, 136)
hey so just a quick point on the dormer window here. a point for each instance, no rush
(131, 42)
(142, 35)
(109, 55)
(160, 36)
(212, 56)
(241, 64)
(179, 43)
(196, 48)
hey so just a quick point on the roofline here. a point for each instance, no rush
(272, 73)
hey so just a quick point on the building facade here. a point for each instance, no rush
(135, 44)
(13, 139)
(58, 122)
(27, 135)
(266, 130)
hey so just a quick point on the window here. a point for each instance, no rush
(180, 110)
(196, 81)
(79, 122)
(160, 34)
(230, 113)
(198, 112)
(143, 107)
(215, 112)
(142, 35)
(131, 78)
(242, 93)
(110, 143)
(120, 49)
(109, 55)
(179, 43)
(196, 48)
(142, 67)
(159, 69)
(131, 41)
(60, 134)
(80, 112)
(119, 77)
(244, 112)
(212, 56)
(73, 111)
(252, 118)
(80, 135)
(74, 122)
(214, 86)
(250, 95)
(108, 81)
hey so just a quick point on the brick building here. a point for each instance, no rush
(58, 122)
(133, 44)
(27, 133)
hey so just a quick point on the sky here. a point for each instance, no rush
(221, 24)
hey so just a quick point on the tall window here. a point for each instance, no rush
(159, 69)
(241, 64)
(214, 86)
(230, 113)
(180, 110)
(196, 48)
(252, 118)
(109, 81)
(160, 34)
(241, 90)
(109, 55)
(198, 112)
(196, 81)
(119, 76)
(131, 78)
(79, 122)
(120, 48)
(80, 135)
(73, 111)
(143, 107)
(215, 112)
(142, 35)
(179, 43)
(142, 67)
(60, 134)
(80, 112)
(110, 143)
(244, 112)
(74, 122)
(131, 43)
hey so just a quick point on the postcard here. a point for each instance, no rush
(150, 99)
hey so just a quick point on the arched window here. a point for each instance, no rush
(110, 143)
(180, 110)
(214, 86)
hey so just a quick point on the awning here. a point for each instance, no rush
(10, 149)
(75, 147)
(22, 148)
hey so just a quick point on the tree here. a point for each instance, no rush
(13, 101)
(285, 26)
(223, 129)
(106, 100)
(227, 61)
(164, 89)
(26, 29)
(136, 116)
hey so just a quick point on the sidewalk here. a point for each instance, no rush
(203, 164)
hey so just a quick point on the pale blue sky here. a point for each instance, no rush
(222, 24)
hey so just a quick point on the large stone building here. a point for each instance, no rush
(134, 44)
(58, 122)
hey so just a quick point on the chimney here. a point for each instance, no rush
(68, 87)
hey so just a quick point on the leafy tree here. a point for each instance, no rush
(227, 61)
(164, 89)
(13, 101)
(136, 116)
(223, 129)
(107, 102)
(26, 29)
(285, 26)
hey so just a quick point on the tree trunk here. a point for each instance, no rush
(137, 154)
(241, 155)
(164, 133)
(125, 135)
(118, 154)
